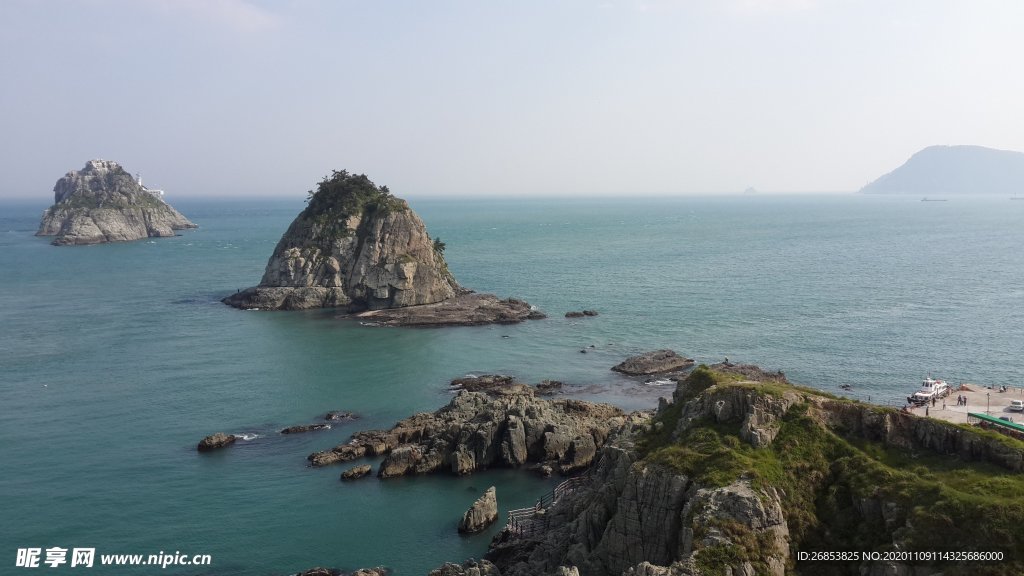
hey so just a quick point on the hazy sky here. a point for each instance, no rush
(247, 97)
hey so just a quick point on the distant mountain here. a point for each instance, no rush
(939, 170)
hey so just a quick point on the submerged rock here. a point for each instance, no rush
(466, 309)
(358, 247)
(305, 428)
(481, 514)
(104, 203)
(215, 441)
(656, 362)
(339, 415)
(356, 472)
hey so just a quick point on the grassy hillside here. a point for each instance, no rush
(841, 492)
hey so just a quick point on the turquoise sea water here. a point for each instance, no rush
(115, 360)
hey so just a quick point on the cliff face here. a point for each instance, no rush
(104, 203)
(355, 245)
(741, 471)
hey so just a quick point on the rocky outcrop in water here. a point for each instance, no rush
(656, 362)
(215, 441)
(104, 203)
(506, 427)
(339, 415)
(358, 247)
(356, 472)
(305, 428)
(481, 514)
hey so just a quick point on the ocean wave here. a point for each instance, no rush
(247, 436)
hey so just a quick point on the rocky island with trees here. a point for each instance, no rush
(102, 203)
(358, 247)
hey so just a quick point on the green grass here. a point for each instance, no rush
(747, 546)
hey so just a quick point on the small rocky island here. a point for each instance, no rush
(101, 203)
(358, 247)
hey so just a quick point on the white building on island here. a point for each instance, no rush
(153, 191)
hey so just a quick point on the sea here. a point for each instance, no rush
(115, 360)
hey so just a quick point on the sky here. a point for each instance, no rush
(218, 98)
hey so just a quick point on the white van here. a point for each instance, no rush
(1016, 405)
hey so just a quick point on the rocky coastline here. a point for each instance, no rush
(741, 469)
(103, 203)
(734, 474)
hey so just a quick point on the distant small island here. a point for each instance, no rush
(358, 247)
(103, 203)
(939, 170)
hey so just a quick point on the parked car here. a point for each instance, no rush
(1016, 405)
